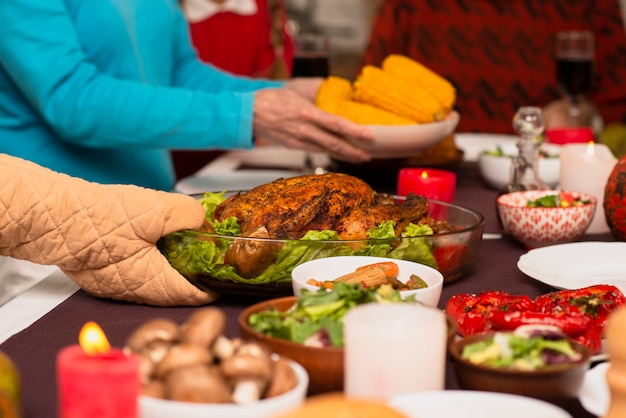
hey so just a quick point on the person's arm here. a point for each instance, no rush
(41, 51)
(101, 236)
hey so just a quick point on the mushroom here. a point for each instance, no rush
(199, 383)
(183, 355)
(203, 327)
(283, 379)
(154, 389)
(248, 374)
(155, 330)
(223, 347)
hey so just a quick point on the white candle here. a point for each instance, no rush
(392, 349)
(586, 168)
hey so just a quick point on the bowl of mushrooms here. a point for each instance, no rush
(193, 370)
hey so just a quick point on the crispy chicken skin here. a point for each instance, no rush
(354, 226)
(290, 207)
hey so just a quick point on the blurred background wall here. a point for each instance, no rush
(347, 23)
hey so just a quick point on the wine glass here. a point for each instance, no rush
(575, 69)
(310, 59)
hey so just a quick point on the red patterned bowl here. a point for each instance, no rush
(541, 226)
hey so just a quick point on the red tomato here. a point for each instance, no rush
(450, 257)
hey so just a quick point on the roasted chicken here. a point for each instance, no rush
(287, 208)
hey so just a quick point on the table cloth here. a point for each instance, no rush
(35, 347)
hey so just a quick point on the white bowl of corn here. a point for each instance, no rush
(413, 280)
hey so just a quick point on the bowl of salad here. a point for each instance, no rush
(223, 259)
(538, 218)
(494, 164)
(309, 328)
(537, 361)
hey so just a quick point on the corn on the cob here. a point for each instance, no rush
(401, 66)
(332, 90)
(378, 88)
(365, 114)
(368, 278)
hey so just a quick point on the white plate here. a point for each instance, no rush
(594, 394)
(229, 180)
(577, 264)
(473, 145)
(401, 141)
(474, 404)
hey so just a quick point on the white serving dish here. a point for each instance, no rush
(330, 268)
(496, 170)
(265, 408)
(400, 141)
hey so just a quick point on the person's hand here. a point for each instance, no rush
(285, 117)
(101, 236)
(306, 87)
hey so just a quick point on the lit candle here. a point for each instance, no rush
(97, 381)
(586, 168)
(429, 182)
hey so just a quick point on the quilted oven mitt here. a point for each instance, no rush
(101, 236)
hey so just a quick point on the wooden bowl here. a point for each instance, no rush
(324, 365)
(557, 384)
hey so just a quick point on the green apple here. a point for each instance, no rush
(10, 382)
(614, 137)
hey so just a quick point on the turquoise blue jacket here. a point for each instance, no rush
(102, 89)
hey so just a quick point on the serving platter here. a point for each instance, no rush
(578, 264)
(473, 404)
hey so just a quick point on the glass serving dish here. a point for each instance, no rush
(262, 266)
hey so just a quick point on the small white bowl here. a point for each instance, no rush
(496, 170)
(328, 269)
(162, 408)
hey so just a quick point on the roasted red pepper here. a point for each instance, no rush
(580, 313)
(594, 301)
(470, 310)
(572, 325)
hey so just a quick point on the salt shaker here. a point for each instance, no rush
(616, 373)
(529, 124)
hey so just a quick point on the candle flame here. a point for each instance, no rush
(92, 339)
(424, 174)
(591, 149)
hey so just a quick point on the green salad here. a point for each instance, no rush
(529, 347)
(316, 319)
(195, 253)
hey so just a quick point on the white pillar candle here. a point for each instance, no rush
(392, 349)
(586, 168)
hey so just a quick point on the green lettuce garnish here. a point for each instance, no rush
(320, 312)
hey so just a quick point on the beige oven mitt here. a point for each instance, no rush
(101, 236)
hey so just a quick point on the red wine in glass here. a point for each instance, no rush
(310, 57)
(310, 65)
(575, 76)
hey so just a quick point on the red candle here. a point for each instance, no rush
(429, 182)
(569, 135)
(96, 381)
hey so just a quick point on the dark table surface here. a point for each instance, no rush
(34, 350)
